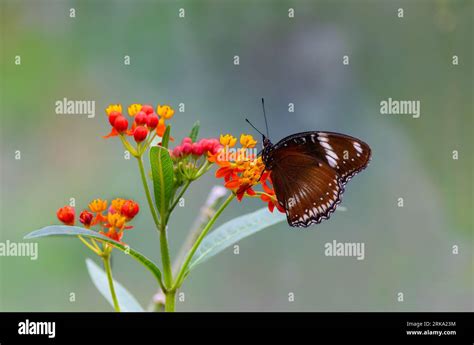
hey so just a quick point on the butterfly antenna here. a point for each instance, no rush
(250, 123)
(265, 117)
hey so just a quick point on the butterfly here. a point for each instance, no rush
(309, 171)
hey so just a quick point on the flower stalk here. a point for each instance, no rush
(108, 270)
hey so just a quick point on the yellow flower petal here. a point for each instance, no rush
(165, 111)
(133, 109)
(247, 141)
(113, 107)
(228, 140)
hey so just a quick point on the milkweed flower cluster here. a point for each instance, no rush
(146, 123)
(197, 149)
(111, 221)
(190, 157)
(243, 170)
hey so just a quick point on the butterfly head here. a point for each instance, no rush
(267, 156)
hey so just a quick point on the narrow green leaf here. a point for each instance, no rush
(162, 173)
(127, 302)
(64, 230)
(166, 137)
(195, 131)
(233, 231)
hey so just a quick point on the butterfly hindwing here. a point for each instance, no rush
(309, 171)
(307, 188)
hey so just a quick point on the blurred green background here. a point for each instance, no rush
(286, 60)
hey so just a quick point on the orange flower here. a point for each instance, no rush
(240, 170)
(116, 205)
(228, 140)
(98, 205)
(247, 141)
(243, 171)
(116, 220)
(112, 225)
(161, 128)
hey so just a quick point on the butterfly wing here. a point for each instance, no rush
(345, 154)
(307, 188)
(309, 171)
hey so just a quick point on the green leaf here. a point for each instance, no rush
(65, 230)
(195, 131)
(166, 137)
(127, 302)
(162, 173)
(233, 231)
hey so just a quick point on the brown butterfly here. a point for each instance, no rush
(309, 171)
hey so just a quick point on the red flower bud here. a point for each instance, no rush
(176, 153)
(120, 124)
(86, 218)
(66, 215)
(152, 120)
(147, 109)
(112, 116)
(186, 140)
(216, 147)
(140, 118)
(186, 148)
(130, 209)
(140, 133)
(204, 143)
(197, 149)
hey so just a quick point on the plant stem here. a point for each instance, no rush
(196, 244)
(165, 258)
(106, 259)
(147, 192)
(170, 301)
(95, 250)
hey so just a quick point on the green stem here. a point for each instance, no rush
(106, 259)
(147, 192)
(196, 244)
(170, 301)
(165, 258)
(95, 250)
(161, 227)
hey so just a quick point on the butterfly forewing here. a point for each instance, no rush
(345, 154)
(309, 171)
